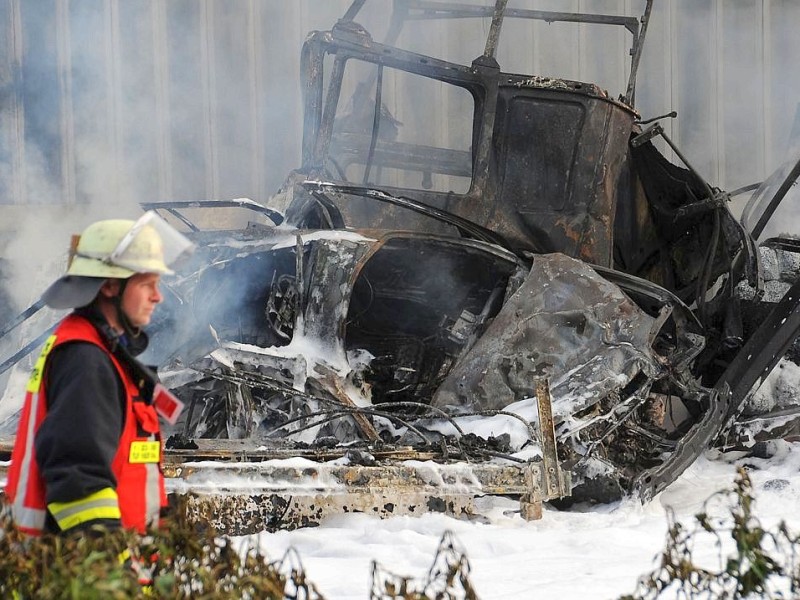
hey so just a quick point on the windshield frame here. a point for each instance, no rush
(320, 105)
(418, 10)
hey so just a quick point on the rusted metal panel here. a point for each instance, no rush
(248, 513)
(243, 498)
(240, 498)
(552, 477)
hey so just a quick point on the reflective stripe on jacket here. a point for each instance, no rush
(139, 495)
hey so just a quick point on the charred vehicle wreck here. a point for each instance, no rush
(538, 303)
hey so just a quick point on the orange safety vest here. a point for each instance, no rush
(136, 465)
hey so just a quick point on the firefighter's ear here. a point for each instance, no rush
(110, 288)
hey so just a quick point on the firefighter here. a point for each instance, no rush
(88, 447)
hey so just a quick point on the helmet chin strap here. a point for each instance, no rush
(123, 319)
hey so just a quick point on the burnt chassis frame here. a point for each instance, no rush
(761, 351)
(395, 488)
(405, 481)
(383, 481)
(753, 362)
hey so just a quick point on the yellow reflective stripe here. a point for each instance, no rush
(100, 505)
(38, 369)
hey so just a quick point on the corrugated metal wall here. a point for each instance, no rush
(191, 99)
(729, 67)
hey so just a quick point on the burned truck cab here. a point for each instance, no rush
(459, 238)
(562, 166)
(546, 164)
(616, 246)
(539, 161)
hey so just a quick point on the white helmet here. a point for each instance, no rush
(116, 248)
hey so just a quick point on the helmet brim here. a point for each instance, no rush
(71, 291)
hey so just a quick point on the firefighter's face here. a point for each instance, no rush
(140, 298)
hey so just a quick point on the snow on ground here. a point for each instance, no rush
(596, 552)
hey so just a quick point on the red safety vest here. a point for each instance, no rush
(136, 465)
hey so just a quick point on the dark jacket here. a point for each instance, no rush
(77, 441)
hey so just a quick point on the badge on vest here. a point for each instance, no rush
(167, 404)
(145, 452)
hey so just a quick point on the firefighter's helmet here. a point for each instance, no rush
(116, 248)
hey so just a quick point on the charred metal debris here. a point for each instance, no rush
(544, 306)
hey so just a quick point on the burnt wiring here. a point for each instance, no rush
(344, 411)
(491, 413)
(367, 305)
(351, 410)
(254, 382)
(466, 445)
(428, 407)
(463, 436)
(624, 416)
(332, 415)
(347, 411)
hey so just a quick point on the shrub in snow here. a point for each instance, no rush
(752, 562)
(448, 578)
(176, 561)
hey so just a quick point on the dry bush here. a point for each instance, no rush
(448, 578)
(763, 564)
(180, 561)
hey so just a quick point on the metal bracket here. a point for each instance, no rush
(553, 478)
(647, 135)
